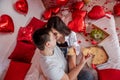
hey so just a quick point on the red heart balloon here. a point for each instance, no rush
(55, 10)
(96, 12)
(77, 24)
(6, 24)
(77, 13)
(117, 9)
(61, 2)
(78, 5)
(21, 6)
(47, 14)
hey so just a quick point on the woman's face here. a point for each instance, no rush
(52, 40)
(57, 34)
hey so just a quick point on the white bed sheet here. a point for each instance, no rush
(6, 50)
(110, 44)
(35, 70)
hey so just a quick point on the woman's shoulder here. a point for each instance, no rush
(72, 34)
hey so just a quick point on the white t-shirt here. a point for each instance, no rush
(54, 66)
(71, 39)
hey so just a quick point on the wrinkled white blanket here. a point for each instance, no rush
(110, 44)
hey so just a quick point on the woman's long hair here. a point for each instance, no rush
(56, 23)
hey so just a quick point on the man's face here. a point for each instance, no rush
(57, 34)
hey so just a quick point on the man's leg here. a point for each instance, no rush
(86, 75)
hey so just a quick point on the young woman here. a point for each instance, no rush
(65, 37)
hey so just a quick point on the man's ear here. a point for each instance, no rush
(47, 44)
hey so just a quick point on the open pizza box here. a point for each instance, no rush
(98, 55)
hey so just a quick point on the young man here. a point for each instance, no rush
(52, 60)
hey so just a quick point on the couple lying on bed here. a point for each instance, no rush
(54, 61)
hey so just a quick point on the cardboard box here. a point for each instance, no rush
(89, 36)
(53, 3)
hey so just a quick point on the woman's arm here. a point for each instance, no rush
(72, 63)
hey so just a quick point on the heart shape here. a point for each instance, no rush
(96, 12)
(47, 14)
(55, 10)
(78, 5)
(6, 24)
(116, 9)
(77, 24)
(77, 13)
(21, 6)
(61, 2)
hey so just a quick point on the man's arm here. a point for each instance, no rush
(75, 71)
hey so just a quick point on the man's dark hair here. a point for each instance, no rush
(56, 23)
(40, 37)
